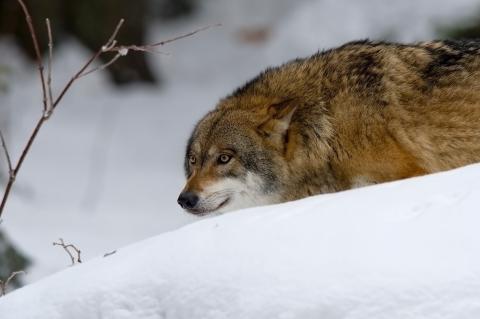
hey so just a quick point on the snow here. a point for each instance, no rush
(407, 249)
(106, 170)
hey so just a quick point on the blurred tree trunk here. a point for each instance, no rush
(464, 29)
(470, 31)
(171, 9)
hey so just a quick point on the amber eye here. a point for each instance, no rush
(224, 159)
(192, 159)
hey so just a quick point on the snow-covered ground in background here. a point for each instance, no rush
(407, 249)
(106, 170)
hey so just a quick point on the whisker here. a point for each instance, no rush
(219, 194)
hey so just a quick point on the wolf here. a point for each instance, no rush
(360, 114)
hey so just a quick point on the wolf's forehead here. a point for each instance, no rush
(219, 129)
(222, 125)
(214, 137)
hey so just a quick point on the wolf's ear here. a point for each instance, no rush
(278, 120)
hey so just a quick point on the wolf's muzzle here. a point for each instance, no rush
(187, 200)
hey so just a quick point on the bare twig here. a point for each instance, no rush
(7, 154)
(123, 50)
(38, 55)
(13, 175)
(48, 111)
(49, 102)
(109, 253)
(4, 285)
(186, 35)
(68, 248)
(103, 66)
(150, 47)
(110, 43)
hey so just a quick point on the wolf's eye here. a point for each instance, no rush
(224, 159)
(192, 159)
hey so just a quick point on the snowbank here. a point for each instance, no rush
(407, 249)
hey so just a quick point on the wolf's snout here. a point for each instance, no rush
(187, 200)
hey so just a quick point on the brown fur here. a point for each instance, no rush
(363, 113)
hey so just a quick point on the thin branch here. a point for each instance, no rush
(50, 103)
(13, 175)
(103, 66)
(186, 35)
(109, 253)
(67, 248)
(36, 47)
(150, 47)
(7, 154)
(124, 49)
(47, 111)
(49, 74)
(110, 46)
(111, 42)
(4, 285)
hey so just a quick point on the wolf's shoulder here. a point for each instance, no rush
(366, 63)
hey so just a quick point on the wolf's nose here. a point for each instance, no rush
(187, 200)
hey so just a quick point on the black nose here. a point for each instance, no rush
(187, 200)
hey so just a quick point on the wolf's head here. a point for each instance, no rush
(235, 157)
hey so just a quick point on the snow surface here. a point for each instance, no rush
(407, 249)
(107, 168)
